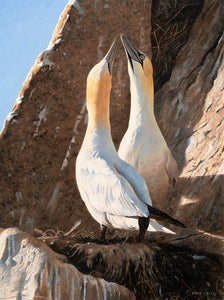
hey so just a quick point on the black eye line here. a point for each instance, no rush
(109, 69)
(129, 57)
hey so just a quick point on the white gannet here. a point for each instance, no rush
(143, 145)
(114, 193)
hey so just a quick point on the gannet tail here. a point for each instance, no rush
(132, 224)
(159, 215)
(154, 226)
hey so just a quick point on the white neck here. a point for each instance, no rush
(142, 106)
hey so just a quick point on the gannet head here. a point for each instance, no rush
(139, 66)
(99, 86)
(99, 77)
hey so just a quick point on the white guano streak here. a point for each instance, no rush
(19, 196)
(45, 59)
(53, 198)
(75, 3)
(77, 122)
(99, 51)
(42, 117)
(14, 112)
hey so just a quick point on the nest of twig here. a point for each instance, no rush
(172, 21)
(154, 269)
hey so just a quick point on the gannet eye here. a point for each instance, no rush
(142, 57)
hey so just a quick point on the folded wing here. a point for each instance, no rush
(109, 191)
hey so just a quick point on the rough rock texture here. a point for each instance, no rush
(43, 133)
(31, 270)
(192, 101)
(171, 24)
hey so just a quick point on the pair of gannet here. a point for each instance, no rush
(115, 194)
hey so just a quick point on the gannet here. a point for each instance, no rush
(143, 145)
(113, 191)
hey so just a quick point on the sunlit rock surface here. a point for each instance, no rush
(31, 270)
(192, 102)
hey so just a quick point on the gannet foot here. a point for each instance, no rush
(103, 230)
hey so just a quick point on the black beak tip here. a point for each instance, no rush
(123, 39)
(131, 52)
(111, 54)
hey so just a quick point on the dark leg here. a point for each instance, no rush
(143, 226)
(174, 182)
(103, 230)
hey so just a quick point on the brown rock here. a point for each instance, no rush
(31, 270)
(191, 102)
(41, 138)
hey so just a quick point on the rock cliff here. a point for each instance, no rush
(44, 131)
(31, 270)
(193, 102)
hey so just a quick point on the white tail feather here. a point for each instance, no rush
(132, 224)
(154, 226)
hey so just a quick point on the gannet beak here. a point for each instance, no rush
(111, 54)
(131, 51)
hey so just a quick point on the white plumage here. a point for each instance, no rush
(143, 145)
(114, 192)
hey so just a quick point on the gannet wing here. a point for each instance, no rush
(141, 190)
(108, 191)
(135, 180)
(171, 168)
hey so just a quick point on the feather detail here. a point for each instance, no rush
(106, 189)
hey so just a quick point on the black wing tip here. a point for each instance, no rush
(180, 224)
(174, 221)
(160, 215)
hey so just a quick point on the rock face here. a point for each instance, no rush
(192, 101)
(31, 270)
(43, 133)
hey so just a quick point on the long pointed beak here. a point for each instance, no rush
(131, 51)
(111, 54)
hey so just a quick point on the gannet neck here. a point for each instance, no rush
(98, 98)
(142, 101)
(98, 114)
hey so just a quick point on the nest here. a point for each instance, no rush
(153, 269)
(172, 21)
